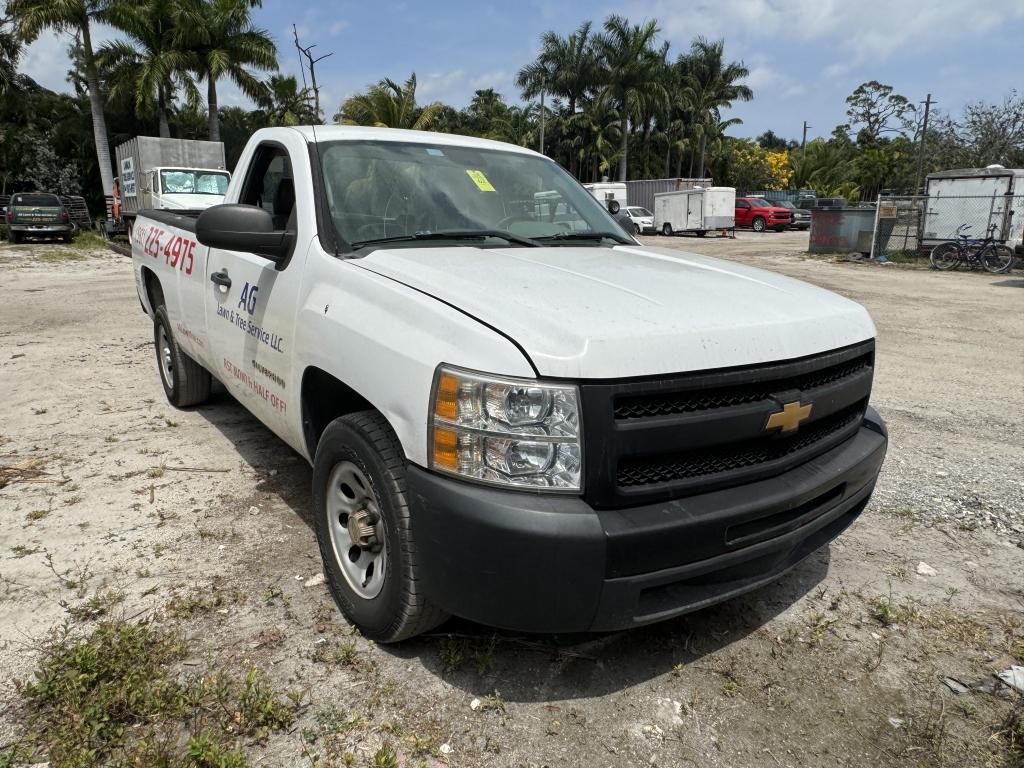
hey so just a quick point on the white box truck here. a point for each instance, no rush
(606, 191)
(978, 197)
(168, 174)
(697, 210)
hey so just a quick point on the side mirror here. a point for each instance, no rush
(613, 207)
(234, 227)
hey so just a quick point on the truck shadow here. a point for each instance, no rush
(525, 668)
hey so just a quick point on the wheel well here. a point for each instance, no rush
(154, 292)
(324, 399)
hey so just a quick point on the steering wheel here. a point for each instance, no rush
(512, 219)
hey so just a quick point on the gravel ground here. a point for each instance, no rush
(838, 663)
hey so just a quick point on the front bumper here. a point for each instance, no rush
(551, 563)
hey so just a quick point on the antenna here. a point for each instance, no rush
(316, 144)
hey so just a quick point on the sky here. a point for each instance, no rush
(804, 56)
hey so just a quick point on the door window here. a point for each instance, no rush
(271, 186)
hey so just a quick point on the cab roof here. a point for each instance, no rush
(322, 133)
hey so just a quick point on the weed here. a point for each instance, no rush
(95, 607)
(820, 624)
(110, 439)
(170, 423)
(678, 669)
(109, 697)
(730, 688)
(384, 757)
(20, 550)
(155, 472)
(343, 653)
(451, 651)
(967, 525)
(159, 548)
(885, 610)
(36, 514)
(72, 500)
(39, 411)
(492, 703)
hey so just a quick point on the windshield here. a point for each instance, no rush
(185, 182)
(786, 204)
(759, 203)
(36, 200)
(380, 190)
(639, 212)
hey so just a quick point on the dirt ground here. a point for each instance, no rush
(201, 517)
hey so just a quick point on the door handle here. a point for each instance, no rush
(221, 278)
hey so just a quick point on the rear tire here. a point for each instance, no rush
(359, 468)
(15, 237)
(701, 232)
(185, 381)
(758, 224)
(67, 238)
(666, 229)
(945, 256)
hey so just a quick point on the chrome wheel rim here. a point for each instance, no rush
(357, 532)
(165, 357)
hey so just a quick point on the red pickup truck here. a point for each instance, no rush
(758, 214)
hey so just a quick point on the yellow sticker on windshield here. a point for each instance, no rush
(481, 181)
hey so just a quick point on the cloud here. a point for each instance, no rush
(338, 27)
(864, 30)
(47, 61)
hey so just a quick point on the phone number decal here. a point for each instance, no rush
(178, 252)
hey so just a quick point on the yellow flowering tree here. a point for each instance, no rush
(779, 171)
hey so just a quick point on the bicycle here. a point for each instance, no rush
(986, 253)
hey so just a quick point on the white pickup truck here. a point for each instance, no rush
(515, 412)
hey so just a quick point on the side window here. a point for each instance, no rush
(742, 204)
(271, 186)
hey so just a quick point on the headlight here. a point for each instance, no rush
(514, 432)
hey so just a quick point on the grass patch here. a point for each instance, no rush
(112, 697)
(886, 611)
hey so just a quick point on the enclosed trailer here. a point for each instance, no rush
(641, 192)
(695, 210)
(171, 174)
(606, 191)
(978, 197)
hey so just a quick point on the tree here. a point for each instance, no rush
(388, 105)
(284, 103)
(711, 85)
(566, 67)
(153, 63)
(32, 17)
(769, 140)
(222, 35)
(10, 52)
(631, 70)
(878, 110)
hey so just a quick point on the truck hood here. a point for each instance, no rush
(186, 202)
(597, 313)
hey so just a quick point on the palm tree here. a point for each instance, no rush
(711, 86)
(631, 69)
(32, 17)
(285, 104)
(223, 37)
(10, 51)
(565, 66)
(388, 105)
(153, 62)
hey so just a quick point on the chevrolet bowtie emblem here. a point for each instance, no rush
(789, 417)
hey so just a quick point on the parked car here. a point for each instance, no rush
(801, 216)
(530, 422)
(758, 214)
(37, 214)
(643, 220)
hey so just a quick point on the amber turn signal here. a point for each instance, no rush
(446, 454)
(446, 401)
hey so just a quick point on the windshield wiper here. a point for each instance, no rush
(452, 234)
(587, 235)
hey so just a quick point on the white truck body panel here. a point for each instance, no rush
(384, 322)
(605, 191)
(700, 209)
(978, 197)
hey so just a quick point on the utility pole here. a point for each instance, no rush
(542, 121)
(924, 134)
(311, 62)
(803, 141)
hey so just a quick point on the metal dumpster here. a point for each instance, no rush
(841, 230)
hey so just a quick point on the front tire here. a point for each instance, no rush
(666, 229)
(757, 224)
(636, 229)
(997, 259)
(185, 381)
(364, 529)
(945, 256)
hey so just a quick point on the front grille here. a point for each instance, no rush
(710, 462)
(661, 438)
(643, 406)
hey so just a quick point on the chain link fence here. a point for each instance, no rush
(913, 224)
